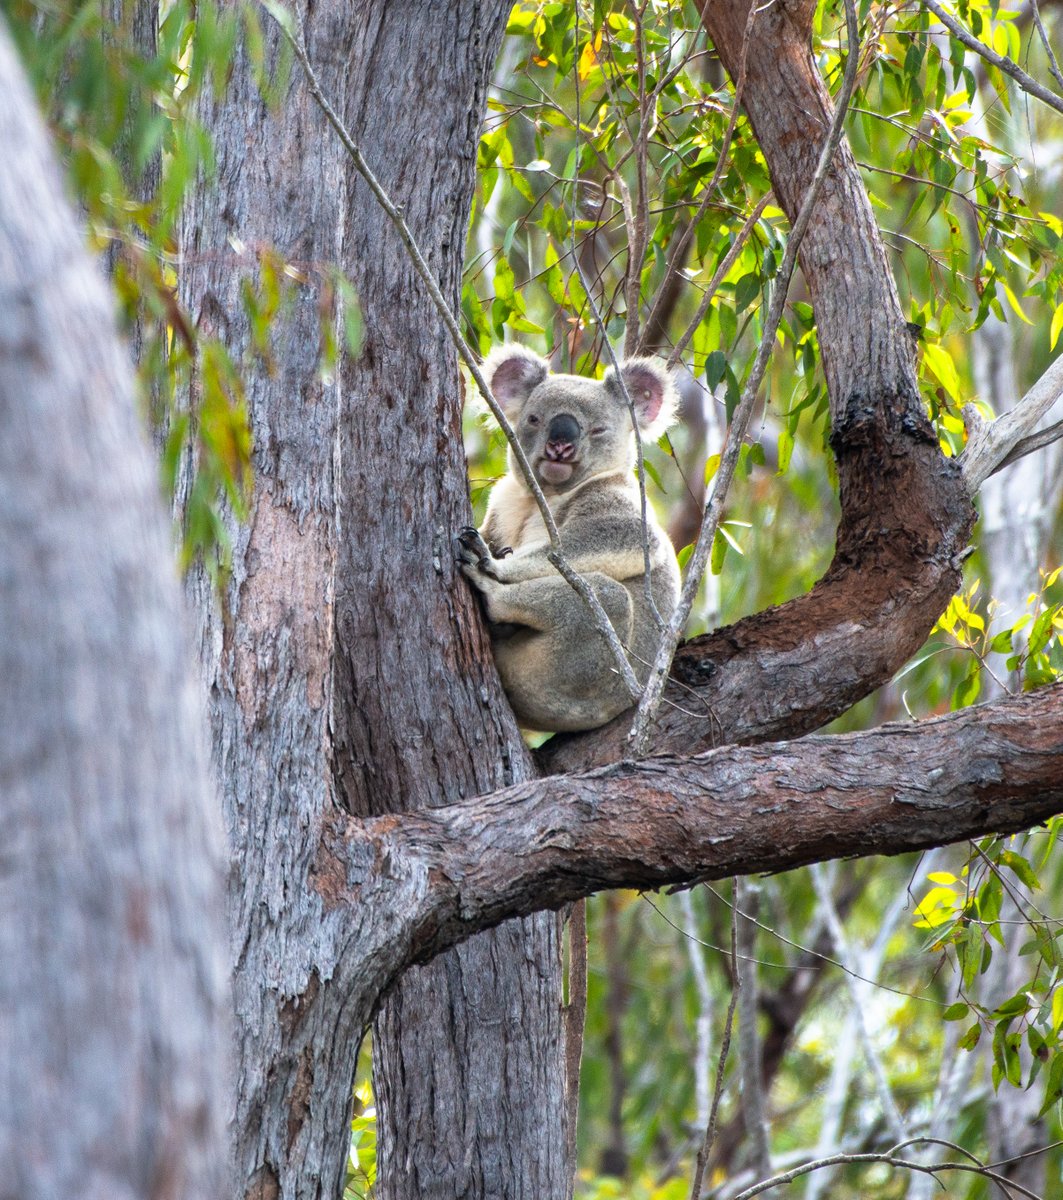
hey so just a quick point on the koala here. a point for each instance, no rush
(577, 435)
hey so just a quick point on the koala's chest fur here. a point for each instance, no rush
(513, 518)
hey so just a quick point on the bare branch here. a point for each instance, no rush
(975, 1168)
(991, 444)
(703, 1023)
(651, 697)
(859, 991)
(1000, 61)
(290, 28)
(1028, 445)
(754, 1108)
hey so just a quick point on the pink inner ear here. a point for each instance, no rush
(514, 378)
(646, 389)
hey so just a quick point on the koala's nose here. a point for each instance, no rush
(561, 437)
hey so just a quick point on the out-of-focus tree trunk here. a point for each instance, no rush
(113, 1042)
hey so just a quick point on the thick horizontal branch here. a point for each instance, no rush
(453, 871)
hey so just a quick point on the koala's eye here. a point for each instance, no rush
(533, 419)
(599, 429)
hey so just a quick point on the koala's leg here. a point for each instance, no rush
(549, 605)
(556, 669)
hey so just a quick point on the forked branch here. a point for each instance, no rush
(992, 444)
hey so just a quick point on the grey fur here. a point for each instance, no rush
(556, 669)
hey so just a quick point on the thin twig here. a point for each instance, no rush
(1053, 65)
(292, 31)
(651, 697)
(1000, 61)
(719, 275)
(721, 1062)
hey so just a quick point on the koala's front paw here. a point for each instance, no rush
(471, 549)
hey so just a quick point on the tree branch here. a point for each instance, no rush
(441, 875)
(1000, 61)
(1028, 445)
(991, 445)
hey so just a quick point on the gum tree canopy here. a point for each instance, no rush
(398, 855)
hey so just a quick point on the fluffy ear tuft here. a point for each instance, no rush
(652, 392)
(513, 372)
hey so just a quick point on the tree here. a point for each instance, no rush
(330, 570)
(114, 987)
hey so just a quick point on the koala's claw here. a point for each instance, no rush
(471, 548)
(504, 552)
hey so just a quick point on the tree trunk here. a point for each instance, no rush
(468, 1059)
(113, 1079)
(347, 664)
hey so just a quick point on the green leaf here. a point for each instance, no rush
(715, 369)
(719, 550)
(1020, 866)
(971, 1038)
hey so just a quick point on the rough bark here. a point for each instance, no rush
(113, 1079)
(906, 514)
(346, 664)
(468, 1055)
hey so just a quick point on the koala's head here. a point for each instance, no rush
(571, 427)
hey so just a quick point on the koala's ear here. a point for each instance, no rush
(513, 373)
(651, 390)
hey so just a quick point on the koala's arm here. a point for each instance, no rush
(607, 545)
(542, 602)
